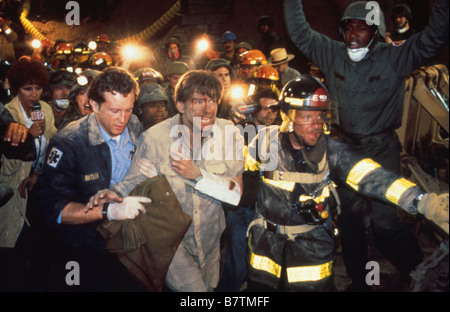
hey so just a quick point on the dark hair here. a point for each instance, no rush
(202, 81)
(112, 79)
(26, 70)
(265, 93)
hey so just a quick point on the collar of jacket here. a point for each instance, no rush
(96, 138)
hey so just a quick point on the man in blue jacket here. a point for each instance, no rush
(367, 79)
(88, 155)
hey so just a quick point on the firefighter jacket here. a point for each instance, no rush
(370, 93)
(78, 164)
(283, 238)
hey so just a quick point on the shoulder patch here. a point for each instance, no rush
(54, 157)
(398, 43)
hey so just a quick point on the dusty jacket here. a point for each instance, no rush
(78, 164)
(14, 171)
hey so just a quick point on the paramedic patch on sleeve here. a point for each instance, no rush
(54, 157)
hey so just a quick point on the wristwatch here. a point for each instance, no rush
(198, 179)
(105, 211)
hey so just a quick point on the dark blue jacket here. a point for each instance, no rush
(78, 164)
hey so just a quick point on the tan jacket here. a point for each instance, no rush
(13, 171)
(6, 44)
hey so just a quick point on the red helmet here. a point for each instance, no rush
(64, 48)
(100, 61)
(102, 38)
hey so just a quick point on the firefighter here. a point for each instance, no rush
(292, 238)
(250, 61)
(267, 77)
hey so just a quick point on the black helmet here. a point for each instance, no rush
(302, 93)
(61, 78)
(401, 9)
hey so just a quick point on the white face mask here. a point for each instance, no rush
(356, 55)
(402, 30)
(61, 104)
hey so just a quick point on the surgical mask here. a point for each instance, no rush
(61, 104)
(402, 30)
(356, 55)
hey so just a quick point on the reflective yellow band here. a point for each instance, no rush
(309, 273)
(359, 171)
(319, 199)
(285, 185)
(265, 264)
(396, 190)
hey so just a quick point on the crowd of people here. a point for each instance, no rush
(82, 130)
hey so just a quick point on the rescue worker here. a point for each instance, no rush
(228, 42)
(174, 53)
(367, 78)
(292, 238)
(148, 75)
(250, 61)
(100, 61)
(173, 73)
(401, 17)
(78, 96)
(267, 77)
(152, 105)
(224, 72)
(269, 38)
(61, 81)
(102, 42)
(87, 155)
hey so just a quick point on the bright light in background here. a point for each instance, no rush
(132, 52)
(202, 45)
(237, 92)
(36, 44)
(92, 45)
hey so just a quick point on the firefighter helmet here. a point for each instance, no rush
(253, 57)
(102, 38)
(100, 61)
(148, 74)
(64, 48)
(302, 93)
(359, 10)
(267, 72)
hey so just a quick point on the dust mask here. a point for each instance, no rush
(356, 55)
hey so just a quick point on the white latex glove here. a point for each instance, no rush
(146, 167)
(128, 209)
